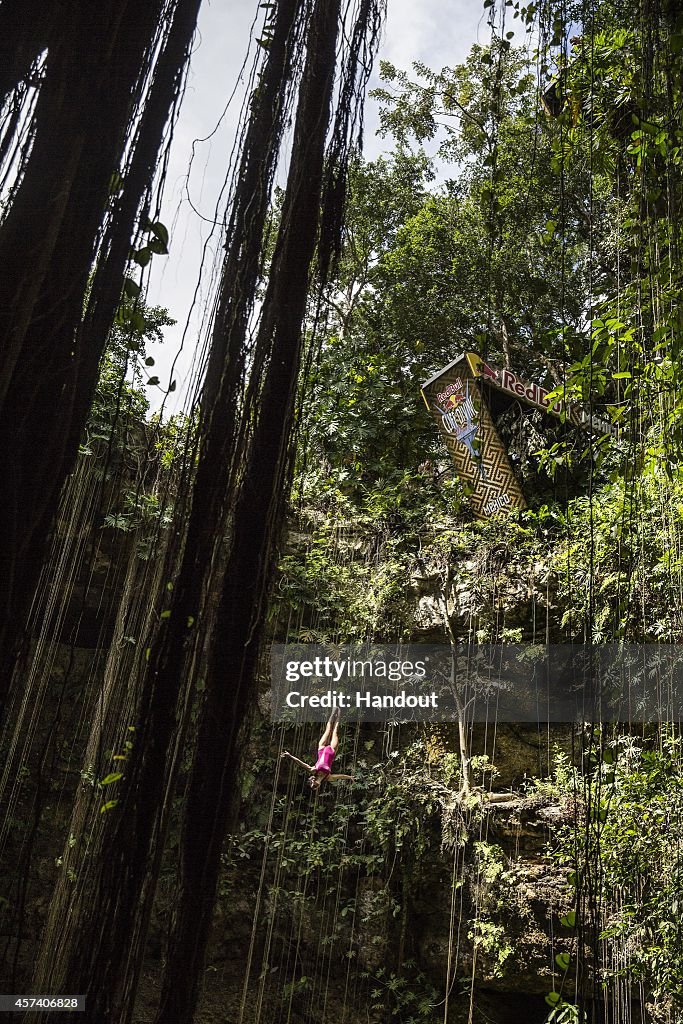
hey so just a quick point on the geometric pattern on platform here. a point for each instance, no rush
(453, 396)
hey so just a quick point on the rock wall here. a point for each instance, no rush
(379, 937)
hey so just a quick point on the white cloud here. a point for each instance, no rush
(438, 34)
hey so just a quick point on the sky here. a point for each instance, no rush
(438, 33)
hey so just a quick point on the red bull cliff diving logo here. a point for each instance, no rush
(460, 419)
(452, 395)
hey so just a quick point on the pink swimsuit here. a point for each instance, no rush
(325, 759)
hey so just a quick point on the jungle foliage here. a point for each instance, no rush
(549, 243)
(529, 208)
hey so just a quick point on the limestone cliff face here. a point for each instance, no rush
(477, 925)
(390, 926)
(336, 923)
(473, 925)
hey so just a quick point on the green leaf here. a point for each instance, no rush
(563, 960)
(157, 246)
(166, 614)
(153, 381)
(159, 231)
(131, 289)
(172, 386)
(142, 256)
(138, 322)
(624, 375)
(569, 920)
(149, 361)
(553, 999)
(108, 806)
(112, 777)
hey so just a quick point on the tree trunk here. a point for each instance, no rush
(96, 73)
(103, 941)
(25, 29)
(236, 640)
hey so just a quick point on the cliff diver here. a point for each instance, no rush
(328, 743)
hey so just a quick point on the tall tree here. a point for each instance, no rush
(104, 941)
(255, 532)
(111, 75)
(102, 920)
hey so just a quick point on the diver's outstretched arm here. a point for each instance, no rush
(308, 767)
(333, 778)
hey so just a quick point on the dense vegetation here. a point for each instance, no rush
(528, 207)
(548, 240)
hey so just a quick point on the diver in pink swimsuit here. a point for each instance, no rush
(327, 748)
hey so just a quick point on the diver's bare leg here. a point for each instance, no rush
(330, 733)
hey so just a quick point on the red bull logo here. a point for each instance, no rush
(453, 400)
(451, 395)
